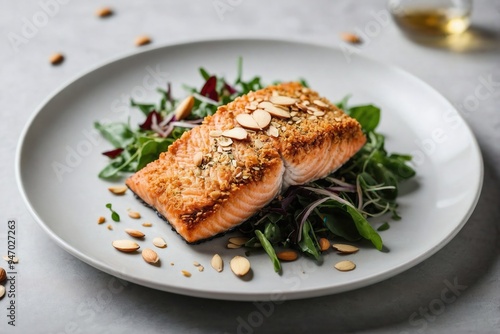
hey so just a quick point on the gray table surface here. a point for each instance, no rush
(56, 293)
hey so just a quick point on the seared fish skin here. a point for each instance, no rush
(207, 184)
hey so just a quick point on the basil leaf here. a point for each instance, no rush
(269, 250)
(397, 165)
(341, 224)
(272, 232)
(150, 151)
(368, 116)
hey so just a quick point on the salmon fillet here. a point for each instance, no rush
(211, 179)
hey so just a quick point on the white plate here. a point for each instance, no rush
(415, 119)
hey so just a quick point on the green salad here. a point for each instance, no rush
(335, 206)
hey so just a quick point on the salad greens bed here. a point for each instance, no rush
(335, 206)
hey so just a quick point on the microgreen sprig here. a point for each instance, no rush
(114, 215)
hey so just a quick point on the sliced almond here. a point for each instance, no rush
(196, 264)
(184, 109)
(233, 246)
(142, 40)
(104, 12)
(224, 141)
(239, 265)
(313, 110)
(150, 256)
(217, 263)
(247, 121)
(134, 233)
(262, 117)
(319, 113)
(126, 246)
(159, 242)
(147, 224)
(3, 275)
(272, 131)
(240, 241)
(109, 227)
(346, 249)
(251, 107)
(282, 100)
(287, 255)
(320, 103)
(201, 268)
(118, 190)
(198, 158)
(258, 143)
(56, 58)
(236, 133)
(324, 244)
(345, 265)
(101, 220)
(350, 38)
(215, 133)
(186, 273)
(134, 214)
(274, 110)
(301, 106)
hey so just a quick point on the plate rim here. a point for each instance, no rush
(242, 295)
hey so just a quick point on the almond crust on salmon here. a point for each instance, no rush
(209, 182)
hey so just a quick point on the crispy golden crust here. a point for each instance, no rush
(192, 192)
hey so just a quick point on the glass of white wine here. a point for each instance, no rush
(431, 17)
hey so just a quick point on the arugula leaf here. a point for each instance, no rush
(308, 244)
(303, 82)
(146, 108)
(204, 74)
(364, 228)
(342, 104)
(118, 134)
(113, 169)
